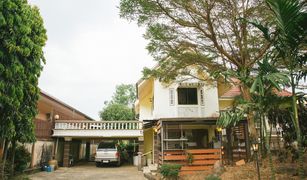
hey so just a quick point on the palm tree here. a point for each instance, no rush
(267, 80)
(289, 47)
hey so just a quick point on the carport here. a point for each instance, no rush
(77, 139)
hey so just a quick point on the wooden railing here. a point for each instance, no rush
(98, 125)
(202, 159)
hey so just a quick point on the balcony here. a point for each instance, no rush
(71, 128)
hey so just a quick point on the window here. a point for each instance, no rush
(187, 96)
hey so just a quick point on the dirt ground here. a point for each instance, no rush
(284, 171)
(90, 171)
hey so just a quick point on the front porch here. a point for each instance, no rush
(195, 143)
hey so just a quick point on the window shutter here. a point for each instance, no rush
(171, 97)
(202, 99)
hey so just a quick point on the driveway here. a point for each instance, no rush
(90, 171)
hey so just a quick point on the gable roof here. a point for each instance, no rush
(235, 91)
(52, 98)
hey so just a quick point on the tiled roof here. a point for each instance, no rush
(282, 93)
(232, 92)
(235, 91)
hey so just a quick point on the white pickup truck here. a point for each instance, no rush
(106, 153)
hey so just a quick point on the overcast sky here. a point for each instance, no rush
(89, 51)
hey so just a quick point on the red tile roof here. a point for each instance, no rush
(235, 91)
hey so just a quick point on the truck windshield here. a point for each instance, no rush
(107, 145)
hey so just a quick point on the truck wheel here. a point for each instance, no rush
(97, 164)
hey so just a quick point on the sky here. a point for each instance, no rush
(89, 51)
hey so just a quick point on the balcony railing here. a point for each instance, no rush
(111, 129)
(98, 125)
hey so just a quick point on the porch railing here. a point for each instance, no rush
(98, 125)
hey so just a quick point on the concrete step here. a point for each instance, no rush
(153, 167)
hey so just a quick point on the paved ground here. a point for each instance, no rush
(90, 171)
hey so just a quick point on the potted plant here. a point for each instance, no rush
(190, 158)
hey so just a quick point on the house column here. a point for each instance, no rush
(67, 145)
(33, 155)
(156, 148)
(141, 151)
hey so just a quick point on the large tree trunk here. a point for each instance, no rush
(250, 116)
(5, 151)
(13, 158)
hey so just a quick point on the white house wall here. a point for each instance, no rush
(211, 101)
(163, 108)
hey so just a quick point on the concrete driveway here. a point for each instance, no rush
(90, 171)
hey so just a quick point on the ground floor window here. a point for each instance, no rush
(190, 136)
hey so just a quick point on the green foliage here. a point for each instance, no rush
(22, 158)
(204, 34)
(280, 114)
(212, 177)
(124, 94)
(22, 37)
(114, 112)
(268, 78)
(290, 30)
(230, 118)
(170, 171)
(120, 107)
(5, 174)
(127, 151)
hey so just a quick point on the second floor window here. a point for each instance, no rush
(187, 96)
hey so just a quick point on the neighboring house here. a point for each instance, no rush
(180, 123)
(49, 110)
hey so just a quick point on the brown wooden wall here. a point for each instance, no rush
(43, 129)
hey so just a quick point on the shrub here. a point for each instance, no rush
(170, 171)
(22, 159)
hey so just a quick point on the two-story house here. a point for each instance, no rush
(180, 122)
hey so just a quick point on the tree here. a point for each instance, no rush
(267, 80)
(124, 94)
(290, 29)
(22, 37)
(121, 105)
(114, 112)
(207, 34)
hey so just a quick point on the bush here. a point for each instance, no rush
(212, 177)
(22, 158)
(6, 169)
(170, 171)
